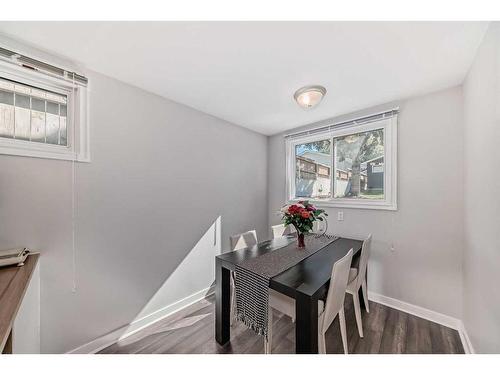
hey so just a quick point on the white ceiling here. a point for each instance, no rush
(247, 72)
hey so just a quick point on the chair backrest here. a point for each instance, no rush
(243, 240)
(281, 230)
(336, 290)
(363, 262)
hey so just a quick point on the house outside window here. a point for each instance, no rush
(313, 165)
(347, 165)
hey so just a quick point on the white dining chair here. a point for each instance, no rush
(281, 230)
(327, 311)
(243, 240)
(357, 279)
(237, 242)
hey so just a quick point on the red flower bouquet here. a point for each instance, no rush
(302, 215)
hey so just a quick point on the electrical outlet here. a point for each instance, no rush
(340, 216)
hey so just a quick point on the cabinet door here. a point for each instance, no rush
(26, 328)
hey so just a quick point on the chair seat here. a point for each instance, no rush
(286, 305)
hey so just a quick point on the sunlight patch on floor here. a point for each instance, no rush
(185, 322)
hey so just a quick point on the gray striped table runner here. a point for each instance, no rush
(252, 279)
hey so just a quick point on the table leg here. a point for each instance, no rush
(306, 324)
(222, 303)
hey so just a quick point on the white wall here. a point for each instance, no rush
(161, 174)
(427, 229)
(482, 196)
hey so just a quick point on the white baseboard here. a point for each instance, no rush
(104, 341)
(421, 312)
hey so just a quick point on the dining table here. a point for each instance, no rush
(306, 282)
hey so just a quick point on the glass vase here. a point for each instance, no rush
(300, 240)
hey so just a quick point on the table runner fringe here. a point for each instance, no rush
(252, 324)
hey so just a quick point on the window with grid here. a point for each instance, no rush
(32, 114)
(346, 165)
(43, 109)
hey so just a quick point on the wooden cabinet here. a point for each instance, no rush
(20, 308)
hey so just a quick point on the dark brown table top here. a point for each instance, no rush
(310, 276)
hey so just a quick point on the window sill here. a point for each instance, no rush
(45, 151)
(384, 205)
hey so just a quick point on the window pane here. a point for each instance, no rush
(64, 110)
(37, 126)
(38, 104)
(53, 108)
(63, 133)
(22, 130)
(312, 172)
(6, 114)
(32, 114)
(52, 129)
(359, 165)
(6, 97)
(22, 101)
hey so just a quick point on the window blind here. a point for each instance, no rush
(41, 67)
(358, 121)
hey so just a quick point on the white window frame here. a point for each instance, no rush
(389, 125)
(76, 121)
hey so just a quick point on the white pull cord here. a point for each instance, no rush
(73, 188)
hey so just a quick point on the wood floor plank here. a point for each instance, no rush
(418, 338)
(386, 330)
(436, 339)
(394, 336)
(187, 346)
(451, 340)
(373, 326)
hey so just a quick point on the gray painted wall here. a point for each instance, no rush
(482, 189)
(161, 174)
(427, 229)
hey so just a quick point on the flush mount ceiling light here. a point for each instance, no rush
(309, 96)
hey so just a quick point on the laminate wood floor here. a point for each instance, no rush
(386, 330)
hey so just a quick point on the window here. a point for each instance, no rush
(313, 163)
(351, 164)
(32, 114)
(359, 165)
(41, 114)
